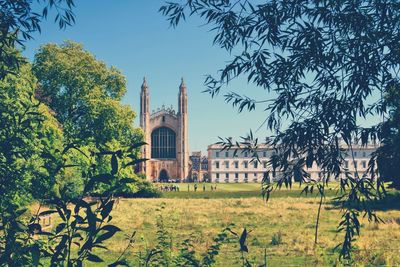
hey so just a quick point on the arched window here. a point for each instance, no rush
(163, 143)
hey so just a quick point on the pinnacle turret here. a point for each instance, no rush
(144, 84)
(182, 86)
(144, 98)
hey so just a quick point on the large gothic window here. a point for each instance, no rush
(163, 143)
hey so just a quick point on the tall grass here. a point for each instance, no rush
(294, 218)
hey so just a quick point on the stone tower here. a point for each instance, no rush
(183, 121)
(145, 122)
(166, 135)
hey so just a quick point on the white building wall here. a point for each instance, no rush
(225, 167)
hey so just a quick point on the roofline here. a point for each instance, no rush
(265, 146)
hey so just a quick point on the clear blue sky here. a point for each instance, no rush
(134, 37)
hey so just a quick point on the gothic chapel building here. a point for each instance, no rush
(166, 135)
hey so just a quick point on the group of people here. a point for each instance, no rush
(190, 187)
(171, 188)
(195, 187)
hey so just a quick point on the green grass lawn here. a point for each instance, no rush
(202, 215)
(236, 190)
(292, 218)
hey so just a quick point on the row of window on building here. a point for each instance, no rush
(355, 164)
(240, 166)
(265, 154)
(265, 164)
(245, 164)
(257, 177)
(234, 177)
(241, 154)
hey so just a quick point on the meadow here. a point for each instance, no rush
(281, 232)
(235, 190)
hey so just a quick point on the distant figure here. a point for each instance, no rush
(177, 188)
(215, 187)
(188, 187)
(204, 187)
(195, 187)
(212, 188)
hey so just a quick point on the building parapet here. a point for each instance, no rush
(163, 110)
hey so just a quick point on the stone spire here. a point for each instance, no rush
(182, 87)
(183, 131)
(145, 124)
(144, 98)
(144, 84)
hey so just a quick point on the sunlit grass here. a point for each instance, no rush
(239, 190)
(294, 218)
(286, 215)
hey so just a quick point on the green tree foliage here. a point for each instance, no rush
(388, 155)
(38, 163)
(85, 97)
(39, 158)
(19, 20)
(327, 65)
(84, 94)
(83, 224)
(28, 133)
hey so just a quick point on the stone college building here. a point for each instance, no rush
(167, 151)
(166, 133)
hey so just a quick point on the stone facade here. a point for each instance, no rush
(199, 167)
(166, 135)
(226, 166)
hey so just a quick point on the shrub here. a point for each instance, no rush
(276, 239)
(147, 190)
(139, 189)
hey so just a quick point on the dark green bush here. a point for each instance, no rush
(276, 239)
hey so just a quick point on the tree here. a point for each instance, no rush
(28, 132)
(19, 20)
(38, 164)
(84, 94)
(388, 155)
(327, 65)
(35, 157)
